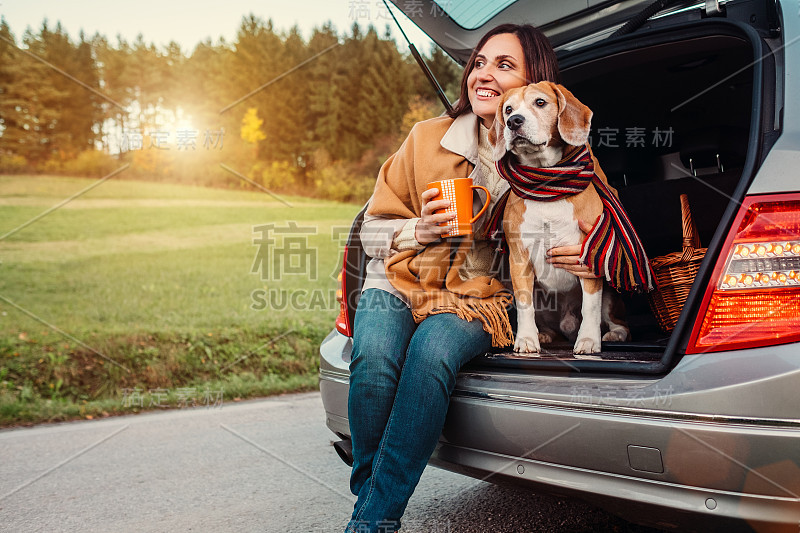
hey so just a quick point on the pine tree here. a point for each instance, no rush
(290, 119)
(13, 97)
(111, 64)
(447, 72)
(36, 99)
(257, 61)
(82, 117)
(327, 101)
(73, 105)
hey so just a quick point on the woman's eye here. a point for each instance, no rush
(478, 63)
(539, 102)
(508, 110)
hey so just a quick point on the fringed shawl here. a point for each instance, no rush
(429, 278)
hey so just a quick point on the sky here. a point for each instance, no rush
(188, 22)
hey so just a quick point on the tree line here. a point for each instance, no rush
(313, 116)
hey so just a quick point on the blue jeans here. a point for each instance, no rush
(401, 378)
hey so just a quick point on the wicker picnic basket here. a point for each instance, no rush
(675, 273)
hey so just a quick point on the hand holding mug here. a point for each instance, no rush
(454, 197)
(430, 226)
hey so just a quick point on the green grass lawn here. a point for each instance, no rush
(141, 295)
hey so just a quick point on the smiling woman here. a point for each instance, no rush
(430, 304)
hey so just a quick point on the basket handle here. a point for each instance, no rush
(690, 237)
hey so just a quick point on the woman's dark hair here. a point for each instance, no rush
(540, 60)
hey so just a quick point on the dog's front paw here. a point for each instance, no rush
(526, 344)
(587, 345)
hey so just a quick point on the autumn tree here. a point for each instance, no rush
(251, 128)
(15, 89)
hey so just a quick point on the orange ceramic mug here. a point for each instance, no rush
(459, 192)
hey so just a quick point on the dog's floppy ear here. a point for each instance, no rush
(496, 137)
(574, 118)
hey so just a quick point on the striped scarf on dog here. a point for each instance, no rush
(612, 248)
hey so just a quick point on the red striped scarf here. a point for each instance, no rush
(612, 248)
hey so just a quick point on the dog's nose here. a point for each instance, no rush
(514, 122)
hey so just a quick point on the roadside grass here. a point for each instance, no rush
(155, 296)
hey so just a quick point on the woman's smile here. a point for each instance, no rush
(499, 67)
(483, 93)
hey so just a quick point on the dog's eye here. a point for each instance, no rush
(539, 102)
(509, 110)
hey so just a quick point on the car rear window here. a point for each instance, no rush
(471, 14)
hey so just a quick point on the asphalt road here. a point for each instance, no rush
(264, 465)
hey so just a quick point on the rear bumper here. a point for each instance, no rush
(620, 448)
(667, 505)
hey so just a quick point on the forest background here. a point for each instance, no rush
(315, 117)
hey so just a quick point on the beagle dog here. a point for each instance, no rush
(536, 125)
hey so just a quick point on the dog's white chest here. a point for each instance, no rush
(547, 225)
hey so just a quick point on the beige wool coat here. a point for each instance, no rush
(428, 278)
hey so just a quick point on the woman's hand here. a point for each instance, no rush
(568, 257)
(429, 227)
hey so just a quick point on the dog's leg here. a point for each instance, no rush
(570, 311)
(589, 332)
(522, 277)
(546, 336)
(548, 304)
(614, 318)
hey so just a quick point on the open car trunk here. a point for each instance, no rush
(682, 108)
(675, 112)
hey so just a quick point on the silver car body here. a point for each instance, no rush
(709, 441)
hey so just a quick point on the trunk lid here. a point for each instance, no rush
(458, 26)
(569, 24)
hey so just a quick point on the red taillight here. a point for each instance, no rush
(343, 320)
(753, 298)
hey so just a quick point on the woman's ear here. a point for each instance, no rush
(574, 118)
(496, 137)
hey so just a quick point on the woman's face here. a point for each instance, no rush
(499, 67)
